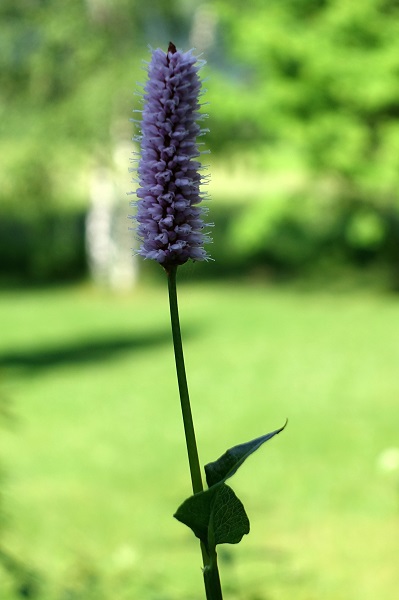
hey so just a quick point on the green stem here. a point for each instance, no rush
(211, 578)
(191, 443)
(211, 572)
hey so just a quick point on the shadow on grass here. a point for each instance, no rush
(82, 352)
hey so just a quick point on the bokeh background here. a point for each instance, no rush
(297, 316)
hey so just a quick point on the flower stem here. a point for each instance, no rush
(191, 443)
(211, 572)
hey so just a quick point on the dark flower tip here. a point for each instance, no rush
(169, 217)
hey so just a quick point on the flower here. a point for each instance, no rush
(170, 223)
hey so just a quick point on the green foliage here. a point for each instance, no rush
(288, 233)
(324, 77)
(319, 79)
(228, 464)
(309, 86)
(216, 515)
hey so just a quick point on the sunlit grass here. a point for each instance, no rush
(96, 461)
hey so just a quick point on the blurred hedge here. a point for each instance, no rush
(45, 249)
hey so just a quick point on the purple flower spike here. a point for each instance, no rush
(169, 219)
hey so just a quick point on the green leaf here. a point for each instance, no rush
(225, 466)
(229, 521)
(216, 516)
(195, 512)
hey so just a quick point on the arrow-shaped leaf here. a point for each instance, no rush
(225, 466)
(216, 516)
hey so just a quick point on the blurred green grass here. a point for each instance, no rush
(96, 462)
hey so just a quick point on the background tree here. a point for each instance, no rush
(302, 88)
(319, 94)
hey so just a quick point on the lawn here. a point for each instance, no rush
(94, 453)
